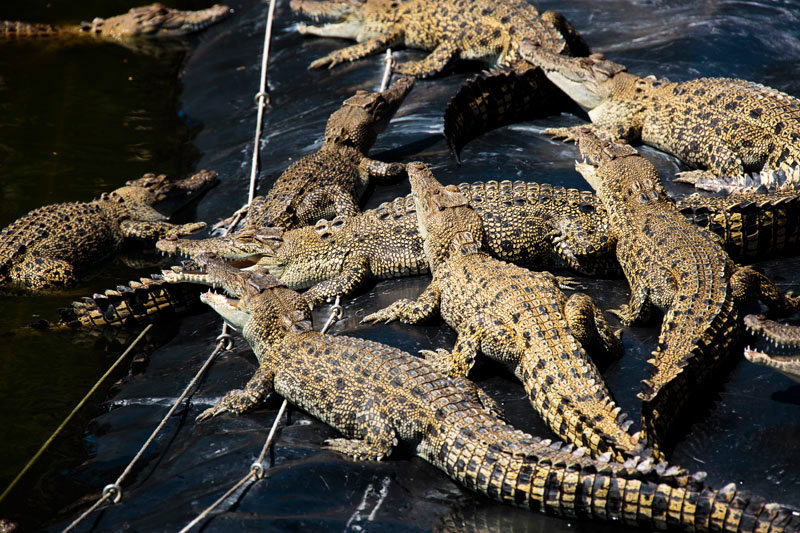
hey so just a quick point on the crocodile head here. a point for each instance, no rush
(346, 17)
(243, 248)
(587, 80)
(162, 187)
(617, 171)
(446, 221)
(363, 116)
(157, 20)
(275, 310)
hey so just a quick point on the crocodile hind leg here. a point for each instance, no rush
(432, 64)
(409, 311)
(379, 169)
(355, 271)
(575, 42)
(480, 396)
(375, 437)
(242, 400)
(40, 272)
(589, 326)
(349, 53)
(724, 166)
(748, 285)
(638, 310)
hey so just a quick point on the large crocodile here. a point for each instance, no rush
(677, 267)
(378, 397)
(784, 355)
(516, 316)
(48, 247)
(489, 31)
(723, 127)
(331, 180)
(152, 21)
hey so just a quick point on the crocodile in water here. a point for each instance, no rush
(378, 396)
(724, 127)
(489, 31)
(784, 354)
(516, 316)
(679, 268)
(48, 247)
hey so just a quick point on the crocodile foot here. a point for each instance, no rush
(440, 359)
(358, 449)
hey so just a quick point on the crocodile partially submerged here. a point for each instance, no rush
(152, 21)
(519, 317)
(678, 268)
(330, 181)
(488, 31)
(51, 245)
(726, 128)
(378, 397)
(784, 354)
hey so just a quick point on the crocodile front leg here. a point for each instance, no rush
(132, 229)
(570, 133)
(586, 252)
(349, 53)
(748, 285)
(378, 169)
(240, 401)
(433, 63)
(409, 311)
(589, 326)
(355, 271)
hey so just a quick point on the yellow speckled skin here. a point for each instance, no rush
(516, 316)
(486, 30)
(679, 268)
(376, 396)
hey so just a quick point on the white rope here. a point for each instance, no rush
(388, 65)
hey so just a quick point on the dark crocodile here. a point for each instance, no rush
(379, 397)
(489, 31)
(152, 21)
(51, 245)
(676, 267)
(519, 317)
(725, 128)
(784, 354)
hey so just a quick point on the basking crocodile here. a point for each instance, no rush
(784, 355)
(153, 21)
(489, 31)
(331, 180)
(677, 267)
(48, 247)
(379, 396)
(723, 127)
(516, 316)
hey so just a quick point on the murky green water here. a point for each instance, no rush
(82, 120)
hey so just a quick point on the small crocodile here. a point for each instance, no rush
(152, 21)
(48, 247)
(330, 181)
(489, 31)
(784, 356)
(677, 267)
(378, 397)
(519, 317)
(723, 127)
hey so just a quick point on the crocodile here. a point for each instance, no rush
(784, 355)
(379, 397)
(48, 247)
(488, 31)
(518, 317)
(152, 21)
(724, 128)
(679, 268)
(330, 181)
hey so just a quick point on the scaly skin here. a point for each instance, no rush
(152, 21)
(784, 356)
(679, 268)
(723, 127)
(377, 396)
(330, 181)
(518, 317)
(48, 247)
(489, 31)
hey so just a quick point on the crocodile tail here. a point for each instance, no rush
(688, 352)
(752, 226)
(512, 467)
(135, 304)
(12, 30)
(498, 98)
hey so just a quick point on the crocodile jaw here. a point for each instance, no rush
(228, 308)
